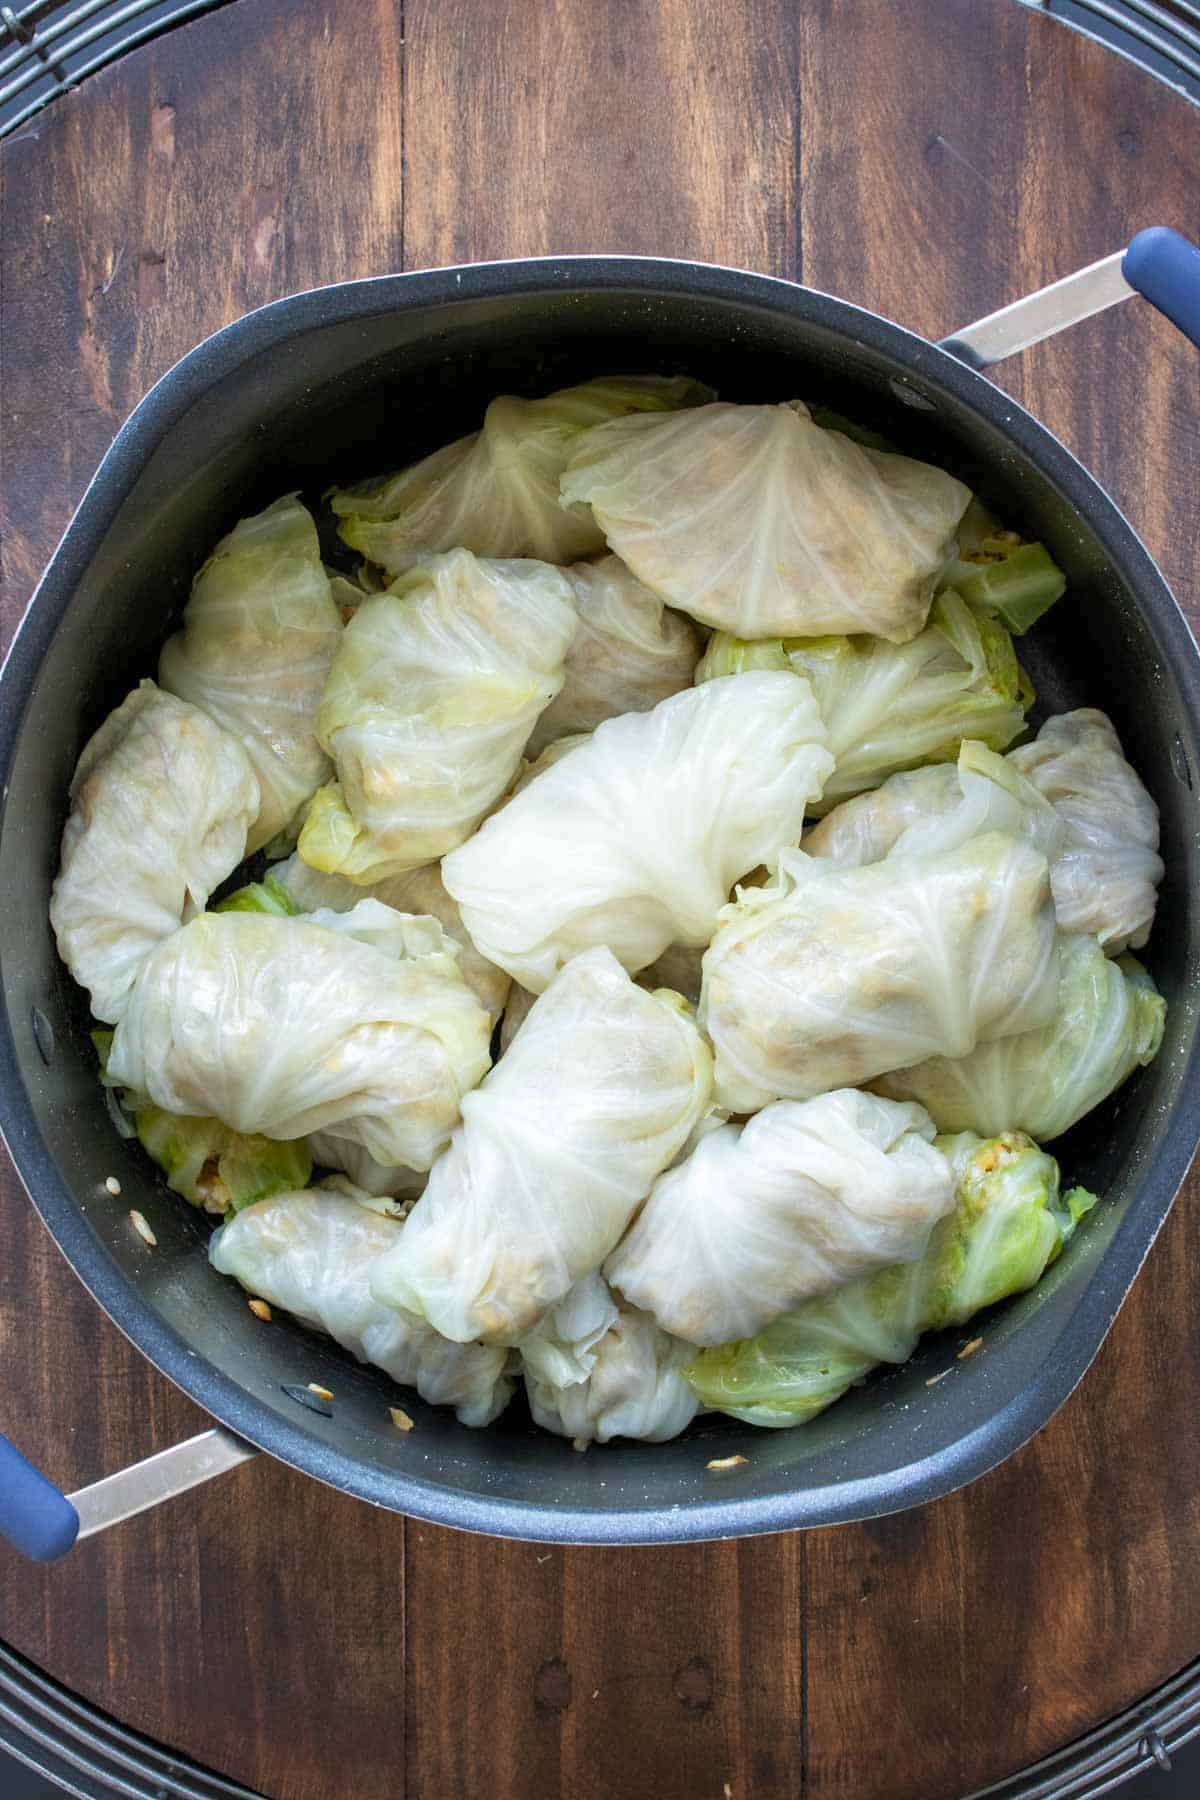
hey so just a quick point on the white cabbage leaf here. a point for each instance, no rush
(259, 635)
(595, 1096)
(1109, 1021)
(929, 810)
(357, 1023)
(889, 707)
(380, 1180)
(496, 491)
(628, 653)
(635, 838)
(803, 1198)
(349, 591)
(561, 1350)
(160, 804)
(1106, 880)
(415, 891)
(310, 1254)
(383, 1204)
(1105, 869)
(760, 522)
(533, 766)
(829, 976)
(435, 687)
(634, 1387)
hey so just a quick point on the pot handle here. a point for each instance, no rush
(35, 1517)
(1159, 264)
(43, 1523)
(1165, 268)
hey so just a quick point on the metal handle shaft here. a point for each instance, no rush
(1041, 315)
(1159, 264)
(43, 1523)
(158, 1478)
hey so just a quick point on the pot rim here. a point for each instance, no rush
(220, 355)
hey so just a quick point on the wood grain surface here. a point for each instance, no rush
(929, 163)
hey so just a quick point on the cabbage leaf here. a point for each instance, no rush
(757, 521)
(829, 976)
(628, 653)
(434, 690)
(596, 1094)
(496, 492)
(259, 635)
(803, 1198)
(889, 707)
(634, 838)
(1109, 1021)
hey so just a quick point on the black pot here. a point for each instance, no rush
(348, 379)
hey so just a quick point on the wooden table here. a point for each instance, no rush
(930, 162)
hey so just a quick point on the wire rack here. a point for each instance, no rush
(47, 48)
(1163, 36)
(54, 1731)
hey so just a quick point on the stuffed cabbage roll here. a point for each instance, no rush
(634, 839)
(435, 687)
(830, 976)
(1108, 1022)
(758, 521)
(805, 1197)
(161, 801)
(1106, 881)
(889, 707)
(258, 638)
(496, 492)
(628, 653)
(598, 1091)
(310, 1252)
(1008, 1224)
(359, 1023)
(415, 891)
(635, 1387)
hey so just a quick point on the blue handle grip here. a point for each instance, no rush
(35, 1518)
(1165, 268)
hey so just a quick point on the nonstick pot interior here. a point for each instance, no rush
(352, 380)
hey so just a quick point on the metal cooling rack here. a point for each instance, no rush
(47, 48)
(1162, 36)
